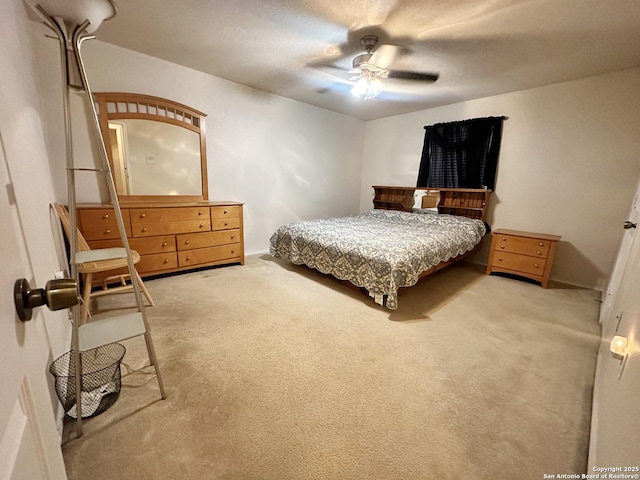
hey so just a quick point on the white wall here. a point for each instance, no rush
(569, 160)
(284, 159)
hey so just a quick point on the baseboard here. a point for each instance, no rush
(256, 252)
(563, 282)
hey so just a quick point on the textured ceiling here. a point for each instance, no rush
(291, 47)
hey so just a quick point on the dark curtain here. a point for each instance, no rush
(461, 154)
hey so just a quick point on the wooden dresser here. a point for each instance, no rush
(169, 237)
(525, 254)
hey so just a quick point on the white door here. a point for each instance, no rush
(29, 443)
(615, 424)
(607, 316)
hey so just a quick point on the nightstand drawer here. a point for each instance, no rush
(523, 245)
(519, 263)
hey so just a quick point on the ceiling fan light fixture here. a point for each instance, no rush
(368, 84)
(367, 87)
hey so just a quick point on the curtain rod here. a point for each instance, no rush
(467, 120)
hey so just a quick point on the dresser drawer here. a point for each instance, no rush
(146, 246)
(519, 263)
(157, 262)
(225, 223)
(227, 211)
(522, 245)
(209, 255)
(147, 222)
(143, 246)
(161, 215)
(207, 239)
(148, 229)
(101, 224)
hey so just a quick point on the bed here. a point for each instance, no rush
(387, 248)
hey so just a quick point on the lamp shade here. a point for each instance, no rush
(78, 11)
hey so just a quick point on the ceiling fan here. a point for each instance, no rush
(371, 68)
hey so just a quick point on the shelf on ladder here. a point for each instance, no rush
(110, 330)
(100, 254)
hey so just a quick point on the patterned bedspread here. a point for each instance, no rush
(381, 250)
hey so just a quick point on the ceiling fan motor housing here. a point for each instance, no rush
(369, 42)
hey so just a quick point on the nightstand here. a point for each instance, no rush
(525, 254)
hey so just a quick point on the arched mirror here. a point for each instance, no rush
(156, 147)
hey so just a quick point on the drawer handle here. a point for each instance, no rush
(164, 244)
(225, 224)
(224, 212)
(199, 213)
(535, 265)
(188, 258)
(499, 259)
(105, 216)
(186, 242)
(504, 239)
(144, 229)
(502, 247)
(232, 237)
(232, 251)
(107, 231)
(541, 244)
(166, 261)
(539, 252)
(143, 215)
(201, 225)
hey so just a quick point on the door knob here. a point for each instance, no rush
(58, 294)
(628, 225)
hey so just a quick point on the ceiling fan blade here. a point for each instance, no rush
(384, 55)
(326, 66)
(405, 75)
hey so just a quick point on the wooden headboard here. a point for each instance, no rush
(393, 198)
(465, 202)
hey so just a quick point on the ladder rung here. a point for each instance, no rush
(101, 332)
(100, 254)
(83, 169)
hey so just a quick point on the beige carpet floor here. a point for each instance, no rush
(278, 372)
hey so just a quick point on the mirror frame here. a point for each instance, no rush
(118, 106)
